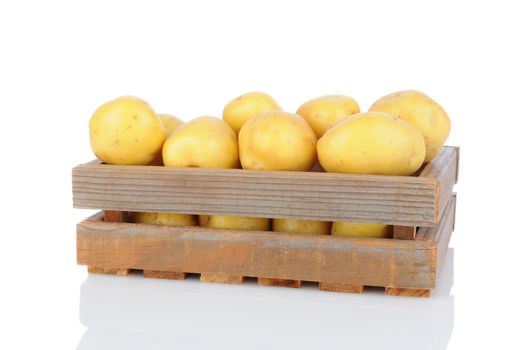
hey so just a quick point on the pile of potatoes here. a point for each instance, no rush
(400, 132)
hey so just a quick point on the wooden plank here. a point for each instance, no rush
(169, 275)
(408, 292)
(111, 216)
(108, 270)
(278, 282)
(373, 262)
(115, 216)
(398, 200)
(221, 278)
(444, 232)
(444, 169)
(441, 233)
(404, 232)
(341, 287)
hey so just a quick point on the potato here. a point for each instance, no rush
(170, 123)
(324, 111)
(126, 131)
(169, 219)
(277, 140)
(238, 111)
(356, 229)
(420, 111)
(302, 226)
(206, 142)
(238, 223)
(372, 143)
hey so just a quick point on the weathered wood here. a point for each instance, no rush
(221, 278)
(440, 234)
(278, 282)
(169, 275)
(398, 200)
(443, 232)
(408, 292)
(454, 211)
(404, 232)
(115, 216)
(341, 287)
(375, 262)
(444, 169)
(108, 270)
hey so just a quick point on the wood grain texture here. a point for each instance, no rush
(441, 233)
(404, 232)
(115, 216)
(221, 278)
(444, 169)
(398, 200)
(408, 292)
(169, 275)
(108, 270)
(278, 282)
(373, 262)
(341, 287)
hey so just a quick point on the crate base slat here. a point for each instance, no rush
(341, 287)
(274, 282)
(279, 282)
(108, 270)
(221, 278)
(408, 292)
(168, 275)
(339, 264)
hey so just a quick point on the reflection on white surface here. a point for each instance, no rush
(136, 313)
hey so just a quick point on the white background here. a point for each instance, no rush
(60, 60)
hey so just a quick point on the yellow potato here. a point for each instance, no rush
(372, 143)
(206, 142)
(423, 113)
(126, 131)
(324, 111)
(238, 111)
(356, 229)
(277, 140)
(238, 223)
(170, 123)
(302, 226)
(169, 219)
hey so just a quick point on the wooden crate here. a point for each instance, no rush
(421, 207)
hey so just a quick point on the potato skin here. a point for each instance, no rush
(126, 131)
(357, 229)
(422, 112)
(277, 140)
(205, 142)
(168, 219)
(170, 122)
(239, 110)
(374, 143)
(302, 226)
(324, 111)
(238, 223)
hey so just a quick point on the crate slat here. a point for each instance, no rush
(403, 267)
(374, 262)
(399, 200)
